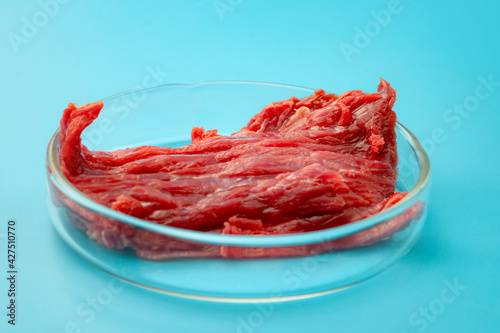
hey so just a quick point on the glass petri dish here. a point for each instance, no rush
(219, 267)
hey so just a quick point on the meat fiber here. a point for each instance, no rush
(299, 165)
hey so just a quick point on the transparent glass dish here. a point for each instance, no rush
(259, 268)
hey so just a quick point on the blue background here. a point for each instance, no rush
(433, 53)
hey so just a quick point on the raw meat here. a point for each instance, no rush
(299, 165)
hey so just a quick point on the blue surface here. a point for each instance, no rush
(436, 54)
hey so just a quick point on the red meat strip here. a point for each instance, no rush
(299, 165)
